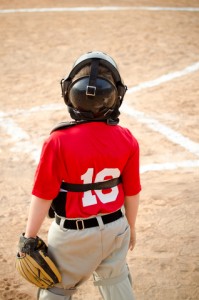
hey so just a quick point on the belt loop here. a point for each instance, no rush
(61, 225)
(100, 222)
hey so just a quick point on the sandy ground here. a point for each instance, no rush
(37, 50)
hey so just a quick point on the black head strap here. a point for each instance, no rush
(91, 87)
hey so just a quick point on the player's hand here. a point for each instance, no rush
(132, 240)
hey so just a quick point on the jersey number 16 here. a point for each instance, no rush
(90, 198)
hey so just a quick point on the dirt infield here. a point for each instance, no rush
(157, 51)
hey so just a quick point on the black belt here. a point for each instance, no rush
(79, 224)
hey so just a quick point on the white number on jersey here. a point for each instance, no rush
(91, 199)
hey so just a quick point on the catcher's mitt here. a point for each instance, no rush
(34, 264)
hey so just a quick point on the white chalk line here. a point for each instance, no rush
(169, 166)
(21, 138)
(23, 145)
(40, 108)
(13, 130)
(155, 125)
(144, 85)
(165, 78)
(99, 8)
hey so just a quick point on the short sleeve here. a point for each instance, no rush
(48, 177)
(131, 173)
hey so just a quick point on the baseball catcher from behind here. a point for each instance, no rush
(88, 180)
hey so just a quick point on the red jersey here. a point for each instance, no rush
(89, 153)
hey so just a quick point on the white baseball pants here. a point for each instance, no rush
(98, 251)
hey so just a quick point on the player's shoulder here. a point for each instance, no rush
(63, 125)
(127, 134)
(124, 130)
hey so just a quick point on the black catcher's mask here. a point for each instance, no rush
(94, 97)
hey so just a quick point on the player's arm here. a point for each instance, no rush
(37, 213)
(131, 204)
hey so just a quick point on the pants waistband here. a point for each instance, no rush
(79, 224)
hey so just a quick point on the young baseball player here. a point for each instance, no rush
(88, 176)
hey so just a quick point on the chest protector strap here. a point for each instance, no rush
(71, 187)
(64, 125)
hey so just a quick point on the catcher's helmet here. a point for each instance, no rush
(92, 96)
